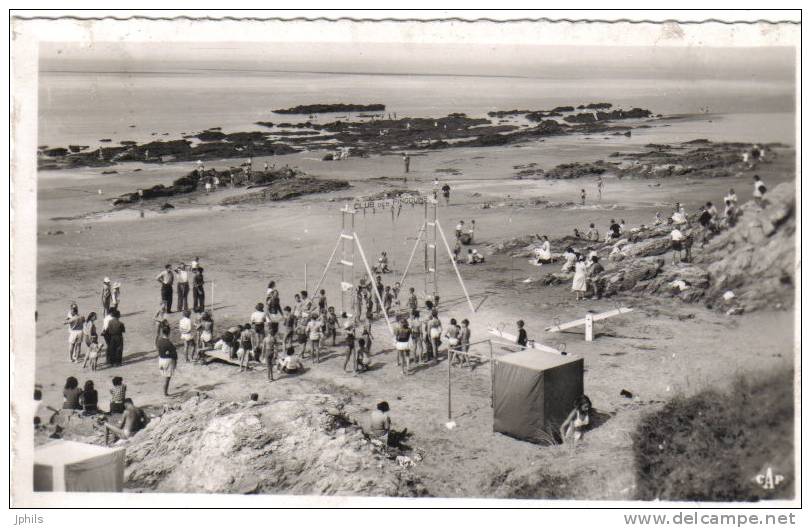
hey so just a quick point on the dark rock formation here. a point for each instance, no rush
(567, 171)
(327, 108)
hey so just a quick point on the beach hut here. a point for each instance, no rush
(75, 466)
(533, 392)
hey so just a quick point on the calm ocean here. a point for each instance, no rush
(81, 108)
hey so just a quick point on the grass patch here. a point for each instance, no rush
(712, 446)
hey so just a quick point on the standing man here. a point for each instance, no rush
(599, 188)
(166, 278)
(106, 295)
(406, 162)
(75, 324)
(182, 287)
(446, 192)
(198, 290)
(167, 358)
(582, 197)
(114, 335)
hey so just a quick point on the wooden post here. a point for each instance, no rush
(413, 252)
(372, 278)
(326, 268)
(589, 327)
(450, 352)
(455, 268)
(212, 297)
(492, 375)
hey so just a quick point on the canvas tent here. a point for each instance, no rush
(533, 392)
(74, 466)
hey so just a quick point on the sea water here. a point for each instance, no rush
(80, 108)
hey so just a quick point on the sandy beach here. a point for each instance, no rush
(663, 349)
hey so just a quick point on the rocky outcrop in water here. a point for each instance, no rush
(287, 189)
(330, 108)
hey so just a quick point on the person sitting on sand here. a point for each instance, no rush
(118, 394)
(577, 421)
(474, 257)
(383, 263)
(658, 219)
(679, 216)
(592, 233)
(614, 230)
(72, 394)
(676, 241)
(291, 364)
(134, 420)
(379, 422)
(569, 259)
(89, 399)
(731, 197)
(579, 279)
(760, 190)
(543, 254)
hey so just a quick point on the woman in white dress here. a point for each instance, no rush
(579, 280)
(544, 253)
(569, 257)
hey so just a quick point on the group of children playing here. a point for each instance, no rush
(304, 329)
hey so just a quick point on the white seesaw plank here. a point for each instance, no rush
(595, 317)
(226, 358)
(532, 344)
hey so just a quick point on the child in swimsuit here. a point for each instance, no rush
(331, 324)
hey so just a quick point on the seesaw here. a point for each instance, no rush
(588, 321)
(513, 339)
(225, 357)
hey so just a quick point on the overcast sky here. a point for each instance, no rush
(759, 64)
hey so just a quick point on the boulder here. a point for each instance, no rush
(629, 275)
(647, 248)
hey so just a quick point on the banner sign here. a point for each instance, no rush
(387, 203)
